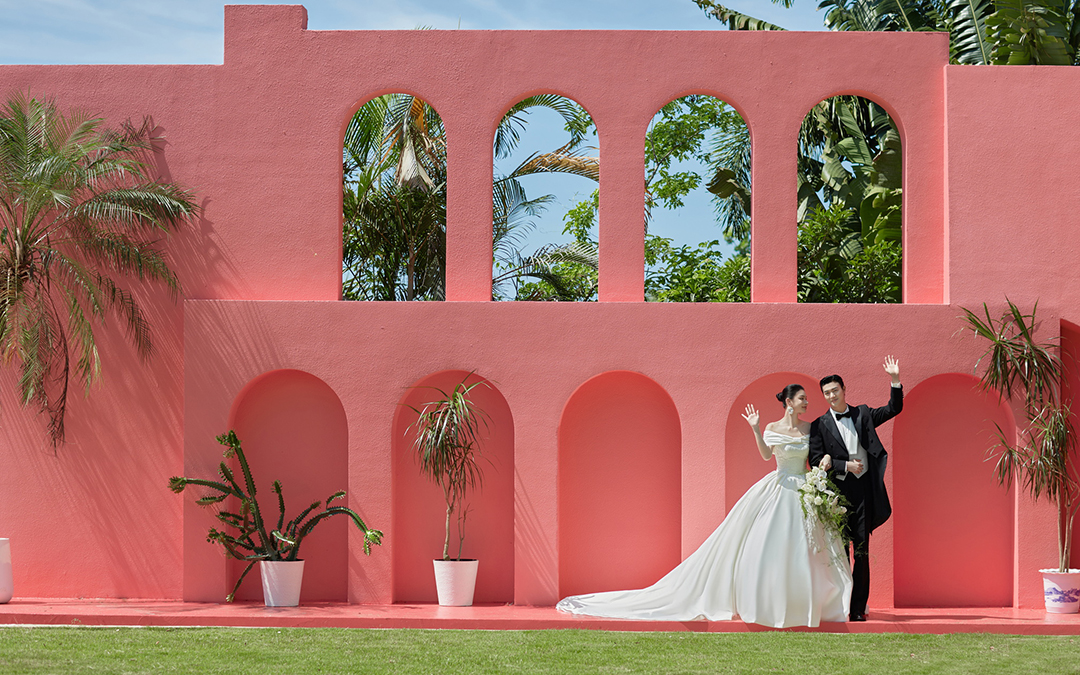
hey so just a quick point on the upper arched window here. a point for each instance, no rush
(850, 203)
(394, 205)
(697, 203)
(545, 195)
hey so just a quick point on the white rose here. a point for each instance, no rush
(817, 501)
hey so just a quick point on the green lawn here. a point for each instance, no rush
(246, 651)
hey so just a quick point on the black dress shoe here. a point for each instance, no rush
(858, 617)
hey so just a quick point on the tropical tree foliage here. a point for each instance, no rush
(394, 206)
(1001, 32)
(701, 130)
(81, 210)
(849, 177)
(564, 272)
(395, 199)
(837, 264)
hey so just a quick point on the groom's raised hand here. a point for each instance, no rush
(892, 367)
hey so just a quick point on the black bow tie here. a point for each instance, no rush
(840, 416)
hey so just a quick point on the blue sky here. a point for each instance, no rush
(191, 31)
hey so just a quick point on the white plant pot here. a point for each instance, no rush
(455, 581)
(1062, 591)
(281, 581)
(7, 583)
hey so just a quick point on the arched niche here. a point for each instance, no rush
(743, 465)
(419, 515)
(1070, 392)
(394, 203)
(620, 491)
(697, 138)
(953, 523)
(293, 429)
(850, 202)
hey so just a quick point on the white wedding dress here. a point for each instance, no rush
(759, 565)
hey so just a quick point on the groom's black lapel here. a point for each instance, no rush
(830, 424)
(862, 427)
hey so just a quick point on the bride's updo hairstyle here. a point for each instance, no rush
(789, 392)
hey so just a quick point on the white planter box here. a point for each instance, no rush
(281, 580)
(455, 581)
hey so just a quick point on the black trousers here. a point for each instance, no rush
(855, 489)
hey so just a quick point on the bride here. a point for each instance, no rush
(759, 564)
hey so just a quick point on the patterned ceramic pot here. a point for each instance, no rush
(1062, 591)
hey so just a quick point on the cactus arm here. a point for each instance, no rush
(370, 536)
(281, 505)
(178, 483)
(230, 596)
(297, 522)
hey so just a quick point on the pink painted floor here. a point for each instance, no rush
(496, 617)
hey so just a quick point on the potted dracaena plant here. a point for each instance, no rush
(1038, 458)
(446, 439)
(276, 548)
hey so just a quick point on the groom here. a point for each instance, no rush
(846, 439)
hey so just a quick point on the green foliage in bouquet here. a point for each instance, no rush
(823, 503)
(253, 541)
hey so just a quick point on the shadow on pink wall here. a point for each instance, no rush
(946, 501)
(620, 493)
(293, 428)
(743, 465)
(420, 509)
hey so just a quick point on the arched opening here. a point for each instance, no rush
(620, 445)
(293, 429)
(697, 203)
(1070, 394)
(946, 502)
(850, 200)
(743, 465)
(394, 201)
(420, 511)
(545, 195)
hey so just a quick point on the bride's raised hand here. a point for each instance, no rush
(751, 416)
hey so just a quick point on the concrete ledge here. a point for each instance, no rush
(52, 611)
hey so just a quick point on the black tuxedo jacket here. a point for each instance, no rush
(825, 439)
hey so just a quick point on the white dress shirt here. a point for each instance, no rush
(851, 440)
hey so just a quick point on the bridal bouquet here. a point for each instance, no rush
(822, 503)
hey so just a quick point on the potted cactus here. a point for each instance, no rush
(447, 444)
(1040, 457)
(276, 548)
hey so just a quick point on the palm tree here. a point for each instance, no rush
(552, 267)
(395, 198)
(80, 209)
(394, 201)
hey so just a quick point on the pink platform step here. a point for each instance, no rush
(52, 611)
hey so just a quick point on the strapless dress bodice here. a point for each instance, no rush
(790, 453)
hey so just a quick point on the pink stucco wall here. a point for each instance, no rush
(990, 158)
